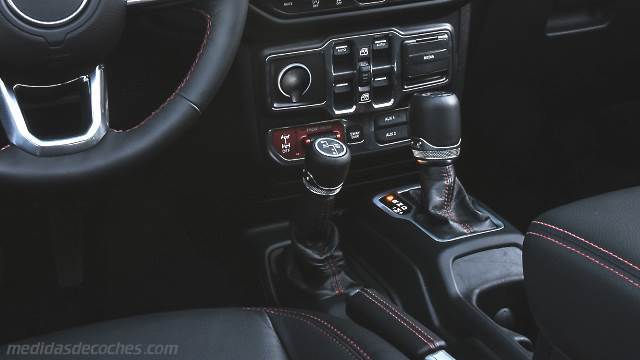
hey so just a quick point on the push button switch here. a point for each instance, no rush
(391, 119)
(393, 134)
(355, 134)
(341, 50)
(424, 64)
(380, 44)
(285, 143)
(426, 58)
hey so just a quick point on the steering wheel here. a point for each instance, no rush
(34, 34)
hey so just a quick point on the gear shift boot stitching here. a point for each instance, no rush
(314, 262)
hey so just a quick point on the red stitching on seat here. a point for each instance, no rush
(431, 344)
(399, 313)
(333, 338)
(203, 46)
(332, 328)
(608, 252)
(361, 352)
(621, 275)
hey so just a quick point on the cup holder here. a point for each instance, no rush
(507, 305)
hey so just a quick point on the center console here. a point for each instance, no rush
(381, 78)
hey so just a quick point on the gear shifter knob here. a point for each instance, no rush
(327, 162)
(435, 128)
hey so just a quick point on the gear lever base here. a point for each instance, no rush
(406, 204)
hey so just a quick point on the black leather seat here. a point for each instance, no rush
(247, 334)
(582, 273)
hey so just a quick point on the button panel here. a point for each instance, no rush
(366, 133)
(367, 73)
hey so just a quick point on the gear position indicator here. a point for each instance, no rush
(395, 204)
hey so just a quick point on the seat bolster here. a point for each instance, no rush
(229, 334)
(196, 334)
(582, 274)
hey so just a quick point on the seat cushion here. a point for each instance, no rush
(582, 273)
(249, 334)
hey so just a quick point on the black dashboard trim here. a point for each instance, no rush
(349, 14)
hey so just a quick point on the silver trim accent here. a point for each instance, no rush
(311, 185)
(28, 18)
(289, 67)
(144, 2)
(409, 216)
(440, 355)
(18, 132)
(423, 150)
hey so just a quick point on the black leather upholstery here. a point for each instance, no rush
(233, 334)
(582, 273)
(371, 310)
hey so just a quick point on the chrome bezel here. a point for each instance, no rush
(18, 133)
(16, 10)
(312, 185)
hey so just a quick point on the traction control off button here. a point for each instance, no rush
(355, 134)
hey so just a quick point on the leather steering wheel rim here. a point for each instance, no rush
(117, 150)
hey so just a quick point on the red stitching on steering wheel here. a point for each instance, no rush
(203, 46)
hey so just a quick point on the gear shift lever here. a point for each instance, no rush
(436, 134)
(316, 264)
(447, 210)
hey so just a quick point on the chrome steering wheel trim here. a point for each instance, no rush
(118, 151)
(19, 134)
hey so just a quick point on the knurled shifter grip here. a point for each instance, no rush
(435, 128)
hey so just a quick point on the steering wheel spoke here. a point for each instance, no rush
(91, 94)
(42, 152)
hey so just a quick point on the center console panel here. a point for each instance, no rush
(360, 81)
(347, 70)
(469, 287)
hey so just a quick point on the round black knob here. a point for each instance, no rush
(294, 81)
(327, 162)
(435, 126)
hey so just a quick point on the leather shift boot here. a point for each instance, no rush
(314, 262)
(319, 273)
(447, 210)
